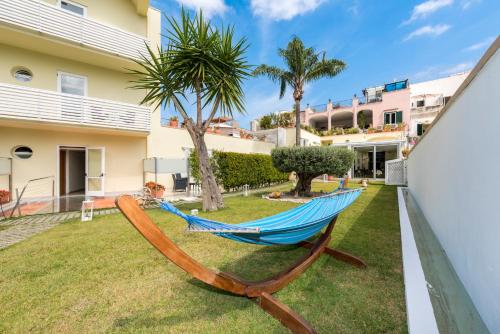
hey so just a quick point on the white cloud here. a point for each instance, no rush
(429, 30)
(466, 4)
(428, 7)
(480, 45)
(283, 9)
(462, 67)
(210, 7)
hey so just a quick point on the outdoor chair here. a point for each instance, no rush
(180, 183)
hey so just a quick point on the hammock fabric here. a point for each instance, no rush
(286, 228)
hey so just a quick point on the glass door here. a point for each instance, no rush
(94, 171)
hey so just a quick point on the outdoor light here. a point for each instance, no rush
(245, 190)
(87, 210)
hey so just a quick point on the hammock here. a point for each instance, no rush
(286, 228)
(290, 227)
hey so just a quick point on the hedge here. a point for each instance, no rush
(234, 170)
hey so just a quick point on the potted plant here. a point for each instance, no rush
(401, 126)
(218, 131)
(371, 130)
(4, 196)
(387, 128)
(331, 178)
(156, 189)
(174, 122)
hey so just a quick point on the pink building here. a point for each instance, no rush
(387, 104)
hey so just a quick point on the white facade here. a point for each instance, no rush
(445, 172)
(428, 98)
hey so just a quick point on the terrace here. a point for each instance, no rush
(28, 105)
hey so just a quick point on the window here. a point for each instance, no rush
(420, 129)
(420, 103)
(22, 74)
(393, 117)
(22, 152)
(72, 84)
(73, 7)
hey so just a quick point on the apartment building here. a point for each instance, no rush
(67, 119)
(428, 98)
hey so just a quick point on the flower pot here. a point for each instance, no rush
(331, 178)
(4, 198)
(174, 124)
(218, 131)
(157, 193)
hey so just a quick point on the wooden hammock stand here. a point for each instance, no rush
(261, 290)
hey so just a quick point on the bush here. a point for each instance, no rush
(310, 162)
(234, 170)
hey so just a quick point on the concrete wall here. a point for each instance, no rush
(123, 163)
(452, 173)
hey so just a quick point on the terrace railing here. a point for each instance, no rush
(319, 108)
(342, 104)
(48, 19)
(22, 103)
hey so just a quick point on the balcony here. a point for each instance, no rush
(42, 106)
(49, 20)
(426, 110)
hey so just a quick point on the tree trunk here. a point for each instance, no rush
(303, 186)
(297, 122)
(210, 192)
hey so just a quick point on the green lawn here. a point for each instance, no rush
(102, 276)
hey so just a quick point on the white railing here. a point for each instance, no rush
(51, 20)
(21, 103)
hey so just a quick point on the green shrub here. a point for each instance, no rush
(310, 162)
(234, 170)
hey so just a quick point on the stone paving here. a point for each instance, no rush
(19, 229)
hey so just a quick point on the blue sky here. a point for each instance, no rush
(379, 40)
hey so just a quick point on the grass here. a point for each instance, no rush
(102, 276)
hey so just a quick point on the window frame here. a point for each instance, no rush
(395, 115)
(59, 82)
(59, 5)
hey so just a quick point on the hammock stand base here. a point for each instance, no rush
(261, 290)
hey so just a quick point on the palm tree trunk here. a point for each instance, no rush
(297, 122)
(210, 194)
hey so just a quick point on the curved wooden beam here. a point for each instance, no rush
(141, 221)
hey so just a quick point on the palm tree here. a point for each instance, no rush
(204, 64)
(303, 65)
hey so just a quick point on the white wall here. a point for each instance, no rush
(446, 86)
(453, 175)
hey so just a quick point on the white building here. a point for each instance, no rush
(428, 98)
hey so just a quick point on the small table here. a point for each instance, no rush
(195, 187)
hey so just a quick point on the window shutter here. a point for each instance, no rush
(387, 118)
(399, 117)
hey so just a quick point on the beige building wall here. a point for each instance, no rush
(102, 83)
(117, 13)
(123, 157)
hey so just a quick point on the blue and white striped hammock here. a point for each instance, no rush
(286, 228)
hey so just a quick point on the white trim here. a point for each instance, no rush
(420, 314)
(58, 162)
(59, 5)
(103, 171)
(59, 82)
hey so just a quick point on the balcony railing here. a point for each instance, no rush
(342, 104)
(51, 20)
(319, 108)
(21, 103)
(426, 109)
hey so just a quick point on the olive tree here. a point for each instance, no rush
(310, 162)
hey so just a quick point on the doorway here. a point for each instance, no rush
(71, 171)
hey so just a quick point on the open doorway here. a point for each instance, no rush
(71, 171)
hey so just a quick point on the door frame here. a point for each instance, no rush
(103, 169)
